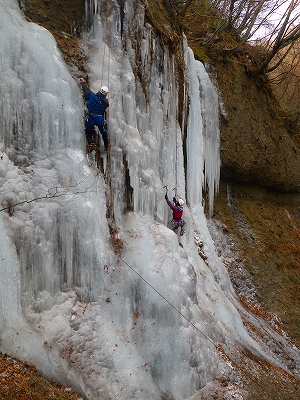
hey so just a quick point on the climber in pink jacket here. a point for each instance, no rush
(177, 209)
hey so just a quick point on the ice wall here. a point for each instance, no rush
(143, 111)
(109, 335)
(42, 158)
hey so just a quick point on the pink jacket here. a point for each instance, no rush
(177, 210)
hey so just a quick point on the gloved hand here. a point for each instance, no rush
(166, 196)
(174, 199)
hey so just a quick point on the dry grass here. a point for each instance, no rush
(20, 381)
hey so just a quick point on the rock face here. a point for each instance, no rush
(256, 146)
(260, 181)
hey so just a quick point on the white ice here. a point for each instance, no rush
(123, 334)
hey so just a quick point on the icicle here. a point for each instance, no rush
(211, 134)
(203, 133)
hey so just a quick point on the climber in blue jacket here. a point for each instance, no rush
(97, 105)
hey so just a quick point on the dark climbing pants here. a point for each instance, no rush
(176, 224)
(95, 120)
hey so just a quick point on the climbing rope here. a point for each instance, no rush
(117, 242)
(217, 346)
(107, 35)
(109, 195)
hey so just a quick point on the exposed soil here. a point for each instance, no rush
(265, 228)
(262, 257)
(256, 144)
(20, 381)
(263, 381)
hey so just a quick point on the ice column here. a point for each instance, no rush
(203, 135)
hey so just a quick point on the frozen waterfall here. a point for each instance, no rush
(109, 335)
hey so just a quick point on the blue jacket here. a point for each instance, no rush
(97, 102)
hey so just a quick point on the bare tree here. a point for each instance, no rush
(184, 7)
(284, 37)
(272, 25)
(285, 81)
(249, 18)
(179, 6)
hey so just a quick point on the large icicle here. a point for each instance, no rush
(203, 167)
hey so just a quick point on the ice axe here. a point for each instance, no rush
(175, 197)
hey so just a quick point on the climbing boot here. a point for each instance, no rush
(92, 147)
(106, 143)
